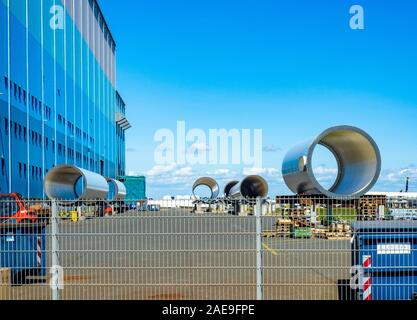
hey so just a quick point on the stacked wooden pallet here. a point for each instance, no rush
(368, 209)
(281, 229)
(319, 233)
(296, 219)
(338, 236)
(298, 216)
(339, 227)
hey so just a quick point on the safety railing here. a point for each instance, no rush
(290, 247)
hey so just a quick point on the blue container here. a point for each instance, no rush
(135, 188)
(392, 248)
(19, 251)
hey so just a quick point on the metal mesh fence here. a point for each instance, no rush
(292, 247)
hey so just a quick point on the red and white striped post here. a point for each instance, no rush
(39, 251)
(367, 279)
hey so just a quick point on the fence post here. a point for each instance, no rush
(258, 219)
(55, 269)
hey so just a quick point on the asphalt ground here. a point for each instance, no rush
(173, 254)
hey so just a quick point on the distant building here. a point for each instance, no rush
(58, 97)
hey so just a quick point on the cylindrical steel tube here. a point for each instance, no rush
(117, 190)
(229, 186)
(250, 187)
(67, 182)
(357, 156)
(208, 182)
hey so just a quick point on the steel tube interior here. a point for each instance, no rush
(250, 187)
(229, 186)
(208, 182)
(357, 155)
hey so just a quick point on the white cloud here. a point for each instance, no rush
(267, 172)
(399, 175)
(184, 172)
(219, 172)
(159, 170)
(169, 176)
(134, 173)
(323, 170)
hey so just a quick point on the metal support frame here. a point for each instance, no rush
(56, 269)
(259, 276)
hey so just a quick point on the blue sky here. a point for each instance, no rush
(290, 68)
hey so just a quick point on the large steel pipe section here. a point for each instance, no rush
(117, 190)
(250, 187)
(357, 156)
(208, 182)
(228, 187)
(71, 183)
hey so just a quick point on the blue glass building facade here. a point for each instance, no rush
(58, 97)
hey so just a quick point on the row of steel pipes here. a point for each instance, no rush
(357, 155)
(68, 183)
(358, 160)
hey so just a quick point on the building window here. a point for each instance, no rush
(20, 169)
(25, 170)
(6, 125)
(3, 166)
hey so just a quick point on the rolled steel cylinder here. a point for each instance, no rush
(250, 187)
(357, 156)
(229, 186)
(67, 182)
(117, 190)
(208, 182)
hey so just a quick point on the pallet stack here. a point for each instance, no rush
(339, 231)
(319, 233)
(283, 227)
(298, 216)
(368, 208)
